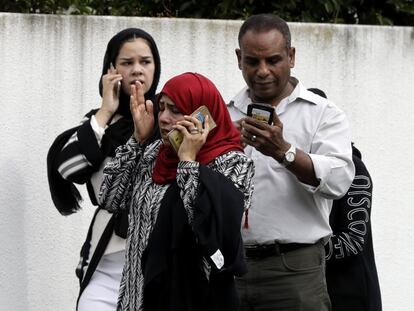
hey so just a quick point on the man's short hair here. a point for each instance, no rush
(264, 23)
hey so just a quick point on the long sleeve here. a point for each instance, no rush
(65, 195)
(350, 217)
(331, 154)
(235, 166)
(81, 156)
(120, 173)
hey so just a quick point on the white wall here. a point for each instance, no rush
(50, 67)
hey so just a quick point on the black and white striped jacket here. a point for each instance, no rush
(128, 185)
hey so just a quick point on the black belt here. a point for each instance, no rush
(274, 249)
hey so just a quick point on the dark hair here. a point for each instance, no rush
(264, 23)
(112, 51)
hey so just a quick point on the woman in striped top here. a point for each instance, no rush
(79, 154)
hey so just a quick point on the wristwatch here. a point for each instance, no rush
(289, 156)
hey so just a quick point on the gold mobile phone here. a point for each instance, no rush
(176, 138)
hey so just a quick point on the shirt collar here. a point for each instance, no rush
(299, 93)
(242, 99)
(303, 93)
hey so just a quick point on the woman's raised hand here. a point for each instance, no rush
(111, 84)
(142, 113)
(195, 137)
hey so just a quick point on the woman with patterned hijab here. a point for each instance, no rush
(183, 243)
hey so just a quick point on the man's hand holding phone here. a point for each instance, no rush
(265, 135)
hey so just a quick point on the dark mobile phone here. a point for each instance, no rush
(261, 112)
(118, 86)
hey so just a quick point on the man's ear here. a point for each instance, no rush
(238, 53)
(291, 55)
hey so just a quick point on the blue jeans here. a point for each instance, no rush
(291, 281)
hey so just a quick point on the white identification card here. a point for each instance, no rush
(218, 259)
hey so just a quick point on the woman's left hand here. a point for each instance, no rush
(194, 137)
(142, 113)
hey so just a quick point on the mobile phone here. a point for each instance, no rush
(118, 89)
(176, 138)
(261, 112)
(118, 86)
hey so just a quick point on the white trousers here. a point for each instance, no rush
(103, 288)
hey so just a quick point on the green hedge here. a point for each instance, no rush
(374, 12)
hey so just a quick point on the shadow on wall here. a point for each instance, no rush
(13, 273)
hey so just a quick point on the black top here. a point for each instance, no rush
(173, 262)
(351, 272)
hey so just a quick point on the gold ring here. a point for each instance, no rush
(194, 131)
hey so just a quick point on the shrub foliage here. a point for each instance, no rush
(373, 12)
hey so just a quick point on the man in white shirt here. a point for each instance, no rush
(303, 161)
